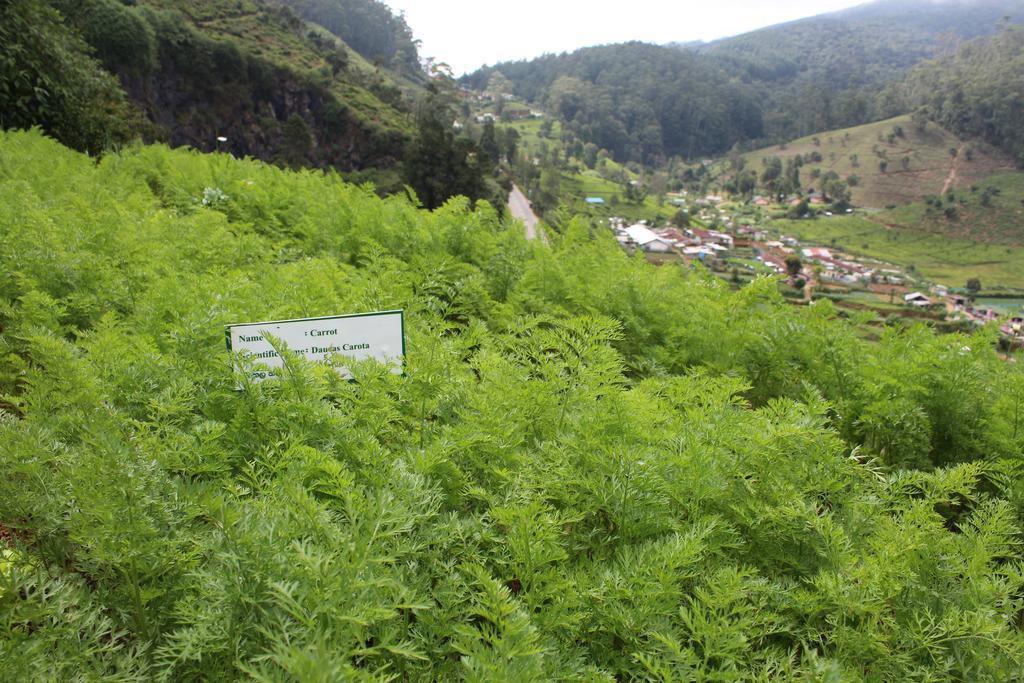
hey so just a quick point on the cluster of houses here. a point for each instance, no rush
(813, 197)
(843, 269)
(714, 247)
(1013, 328)
(691, 243)
(510, 114)
(509, 110)
(959, 306)
(704, 244)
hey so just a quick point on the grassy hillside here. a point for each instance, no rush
(918, 162)
(370, 27)
(276, 35)
(591, 468)
(245, 76)
(989, 211)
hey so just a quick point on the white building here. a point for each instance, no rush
(917, 299)
(722, 238)
(645, 238)
(816, 253)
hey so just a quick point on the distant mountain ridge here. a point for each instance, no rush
(770, 85)
(641, 102)
(826, 71)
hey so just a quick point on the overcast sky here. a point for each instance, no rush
(470, 33)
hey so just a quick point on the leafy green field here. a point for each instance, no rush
(941, 259)
(592, 468)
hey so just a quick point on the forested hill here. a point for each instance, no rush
(826, 72)
(641, 102)
(367, 26)
(977, 92)
(250, 71)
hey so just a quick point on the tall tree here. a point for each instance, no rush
(489, 143)
(438, 165)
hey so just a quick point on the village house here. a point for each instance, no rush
(646, 239)
(773, 261)
(675, 236)
(917, 299)
(1014, 327)
(698, 251)
(723, 238)
(844, 271)
(516, 114)
(816, 253)
(891, 277)
(714, 237)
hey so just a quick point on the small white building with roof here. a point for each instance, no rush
(646, 239)
(916, 299)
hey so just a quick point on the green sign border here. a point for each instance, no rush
(399, 311)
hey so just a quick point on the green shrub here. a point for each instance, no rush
(122, 39)
(49, 79)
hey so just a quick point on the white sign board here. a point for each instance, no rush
(363, 335)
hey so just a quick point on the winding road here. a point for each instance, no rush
(519, 205)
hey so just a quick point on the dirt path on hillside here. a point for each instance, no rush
(951, 178)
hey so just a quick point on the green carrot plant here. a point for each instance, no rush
(592, 468)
